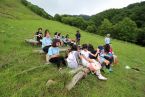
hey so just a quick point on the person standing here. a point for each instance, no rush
(107, 39)
(78, 37)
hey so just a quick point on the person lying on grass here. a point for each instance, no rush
(92, 64)
(54, 56)
(46, 41)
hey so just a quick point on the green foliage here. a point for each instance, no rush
(105, 27)
(39, 11)
(126, 30)
(74, 21)
(111, 21)
(91, 28)
(14, 9)
(16, 56)
(57, 17)
(140, 38)
(136, 14)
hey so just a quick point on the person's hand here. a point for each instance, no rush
(98, 50)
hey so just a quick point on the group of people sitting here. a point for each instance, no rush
(46, 39)
(95, 59)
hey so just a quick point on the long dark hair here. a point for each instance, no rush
(84, 46)
(55, 41)
(90, 48)
(46, 31)
(107, 48)
(39, 29)
(74, 48)
(59, 34)
(55, 33)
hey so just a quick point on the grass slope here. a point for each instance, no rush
(17, 56)
(13, 9)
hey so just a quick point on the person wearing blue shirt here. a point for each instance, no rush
(54, 56)
(46, 41)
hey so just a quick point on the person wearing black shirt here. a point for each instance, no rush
(39, 35)
(78, 37)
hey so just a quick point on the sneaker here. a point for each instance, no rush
(110, 70)
(102, 77)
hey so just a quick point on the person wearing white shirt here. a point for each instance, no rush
(107, 39)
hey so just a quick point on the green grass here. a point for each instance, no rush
(13, 9)
(17, 56)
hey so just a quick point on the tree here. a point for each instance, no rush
(91, 28)
(36, 9)
(125, 30)
(105, 27)
(140, 38)
(57, 17)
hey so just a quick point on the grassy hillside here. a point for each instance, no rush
(16, 56)
(13, 9)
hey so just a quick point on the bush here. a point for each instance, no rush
(105, 27)
(125, 30)
(140, 38)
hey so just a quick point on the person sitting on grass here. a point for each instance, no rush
(55, 35)
(73, 57)
(95, 54)
(108, 56)
(59, 36)
(54, 56)
(92, 64)
(63, 41)
(46, 41)
(39, 35)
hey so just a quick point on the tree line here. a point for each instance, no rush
(39, 11)
(127, 24)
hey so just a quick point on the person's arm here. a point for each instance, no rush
(87, 59)
(55, 55)
(94, 54)
(40, 35)
(36, 34)
(105, 40)
(44, 42)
